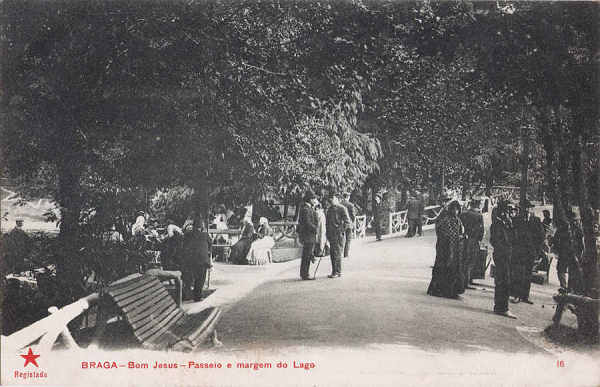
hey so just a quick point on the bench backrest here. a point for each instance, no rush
(147, 306)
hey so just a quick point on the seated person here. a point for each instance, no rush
(259, 250)
(236, 220)
(263, 228)
(239, 251)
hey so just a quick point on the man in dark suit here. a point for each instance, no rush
(501, 239)
(338, 221)
(308, 222)
(414, 215)
(473, 222)
(350, 230)
(528, 242)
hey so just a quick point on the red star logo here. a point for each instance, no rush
(30, 358)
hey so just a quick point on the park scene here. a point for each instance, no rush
(336, 183)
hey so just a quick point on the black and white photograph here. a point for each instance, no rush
(299, 193)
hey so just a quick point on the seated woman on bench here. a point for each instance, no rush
(239, 251)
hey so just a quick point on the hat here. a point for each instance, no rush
(573, 215)
(263, 220)
(454, 203)
(309, 195)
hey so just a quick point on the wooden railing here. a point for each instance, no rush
(49, 328)
(399, 222)
(360, 226)
(284, 229)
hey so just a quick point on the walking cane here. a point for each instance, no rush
(318, 263)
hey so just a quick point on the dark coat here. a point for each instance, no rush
(415, 209)
(473, 222)
(308, 221)
(501, 237)
(337, 221)
(196, 249)
(528, 239)
(447, 276)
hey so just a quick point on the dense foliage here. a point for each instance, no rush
(106, 104)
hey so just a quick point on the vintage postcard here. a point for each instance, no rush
(299, 193)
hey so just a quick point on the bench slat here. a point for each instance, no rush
(162, 327)
(156, 320)
(117, 289)
(148, 300)
(123, 297)
(152, 319)
(199, 335)
(162, 304)
(192, 326)
(147, 296)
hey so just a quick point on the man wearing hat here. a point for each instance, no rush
(414, 215)
(501, 238)
(338, 221)
(308, 222)
(17, 248)
(568, 244)
(472, 220)
(528, 243)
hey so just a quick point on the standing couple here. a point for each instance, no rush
(338, 226)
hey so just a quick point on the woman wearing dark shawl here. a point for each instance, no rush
(239, 251)
(446, 277)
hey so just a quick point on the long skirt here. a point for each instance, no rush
(447, 276)
(239, 251)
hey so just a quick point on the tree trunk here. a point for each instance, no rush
(286, 203)
(365, 199)
(68, 265)
(561, 198)
(587, 320)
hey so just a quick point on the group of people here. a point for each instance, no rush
(414, 214)
(519, 239)
(458, 244)
(325, 231)
(186, 248)
(251, 240)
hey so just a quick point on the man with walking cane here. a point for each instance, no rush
(307, 233)
(338, 221)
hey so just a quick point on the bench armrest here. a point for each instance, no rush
(170, 274)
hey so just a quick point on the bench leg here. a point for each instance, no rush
(558, 315)
(215, 340)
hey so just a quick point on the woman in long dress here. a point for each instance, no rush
(446, 277)
(239, 251)
(321, 248)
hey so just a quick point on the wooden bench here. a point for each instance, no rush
(571, 301)
(155, 319)
(231, 233)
